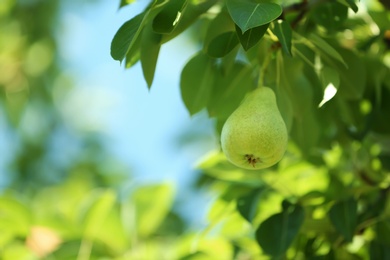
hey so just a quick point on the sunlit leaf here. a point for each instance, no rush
(126, 2)
(276, 233)
(150, 48)
(151, 204)
(251, 36)
(284, 33)
(222, 44)
(196, 82)
(343, 216)
(97, 209)
(126, 36)
(15, 216)
(247, 14)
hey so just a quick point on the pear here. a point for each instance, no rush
(255, 135)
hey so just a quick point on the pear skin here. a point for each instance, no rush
(255, 135)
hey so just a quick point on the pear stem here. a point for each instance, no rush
(263, 68)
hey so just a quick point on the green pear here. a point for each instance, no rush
(255, 135)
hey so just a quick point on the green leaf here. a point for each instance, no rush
(126, 2)
(126, 36)
(167, 19)
(382, 230)
(276, 233)
(150, 48)
(343, 216)
(247, 205)
(379, 250)
(229, 90)
(284, 33)
(248, 15)
(331, 15)
(222, 44)
(326, 48)
(352, 79)
(196, 82)
(252, 36)
(15, 216)
(151, 204)
(350, 3)
(191, 13)
(98, 206)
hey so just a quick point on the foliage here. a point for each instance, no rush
(328, 62)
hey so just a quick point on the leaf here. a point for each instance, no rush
(152, 204)
(167, 19)
(379, 250)
(126, 36)
(248, 15)
(222, 44)
(150, 48)
(350, 3)
(126, 2)
(276, 233)
(252, 36)
(382, 230)
(330, 15)
(343, 216)
(326, 48)
(98, 207)
(191, 13)
(196, 82)
(247, 205)
(352, 79)
(229, 90)
(284, 33)
(330, 80)
(15, 216)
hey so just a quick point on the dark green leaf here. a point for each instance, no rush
(331, 15)
(126, 36)
(196, 82)
(150, 48)
(247, 205)
(133, 54)
(248, 15)
(220, 24)
(222, 44)
(379, 250)
(276, 233)
(191, 13)
(252, 36)
(167, 19)
(284, 33)
(351, 4)
(382, 231)
(343, 216)
(352, 79)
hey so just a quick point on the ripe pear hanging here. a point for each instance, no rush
(255, 135)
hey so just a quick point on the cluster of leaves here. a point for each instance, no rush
(328, 63)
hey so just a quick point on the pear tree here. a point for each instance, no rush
(304, 166)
